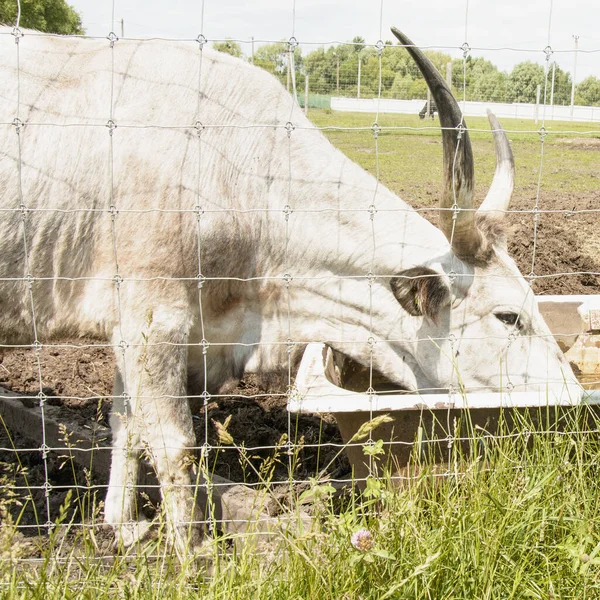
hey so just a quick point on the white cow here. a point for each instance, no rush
(177, 202)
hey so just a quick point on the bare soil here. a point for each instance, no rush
(585, 143)
(78, 377)
(562, 250)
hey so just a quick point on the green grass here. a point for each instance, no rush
(521, 520)
(410, 159)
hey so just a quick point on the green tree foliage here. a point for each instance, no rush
(274, 58)
(401, 87)
(400, 77)
(523, 81)
(334, 71)
(229, 47)
(479, 79)
(359, 43)
(321, 69)
(588, 92)
(490, 87)
(52, 16)
(562, 86)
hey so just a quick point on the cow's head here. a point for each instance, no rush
(473, 318)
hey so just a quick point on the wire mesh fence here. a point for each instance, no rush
(171, 215)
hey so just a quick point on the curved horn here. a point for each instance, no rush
(500, 192)
(458, 159)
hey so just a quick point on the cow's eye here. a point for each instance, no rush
(510, 319)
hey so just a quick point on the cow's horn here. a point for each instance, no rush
(458, 160)
(500, 192)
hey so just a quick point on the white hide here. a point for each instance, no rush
(156, 168)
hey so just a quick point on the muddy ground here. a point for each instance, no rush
(566, 251)
(79, 380)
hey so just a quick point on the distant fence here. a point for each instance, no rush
(513, 110)
(315, 100)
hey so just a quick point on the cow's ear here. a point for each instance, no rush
(421, 291)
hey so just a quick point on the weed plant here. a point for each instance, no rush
(515, 515)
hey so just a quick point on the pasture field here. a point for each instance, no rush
(517, 518)
(410, 164)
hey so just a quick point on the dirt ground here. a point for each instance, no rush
(259, 419)
(566, 252)
(567, 246)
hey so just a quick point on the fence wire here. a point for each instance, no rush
(55, 441)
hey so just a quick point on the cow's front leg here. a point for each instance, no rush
(121, 510)
(155, 373)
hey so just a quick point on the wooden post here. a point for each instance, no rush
(576, 38)
(306, 94)
(552, 88)
(428, 110)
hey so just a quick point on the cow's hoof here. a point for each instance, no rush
(129, 534)
(187, 542)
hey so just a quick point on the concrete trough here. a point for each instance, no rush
(329, 382)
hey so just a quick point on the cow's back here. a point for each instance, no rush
(119, 144)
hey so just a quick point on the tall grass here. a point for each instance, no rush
(514, 515)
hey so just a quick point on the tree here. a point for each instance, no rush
(317, 64)
(480, 78)
(401, 78)
(418, 90)
(274, 58)
(562, 86)
(523, 81)
(490, 87)
(359, 43)
(401, 86)
(398, 70)
(229, 47)
(398, 60)
(51, 16)
(370, 74)
(341, 56)
(320, 66)
(348, 74)
(588, 92)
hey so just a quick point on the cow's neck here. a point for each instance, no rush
(338, 285)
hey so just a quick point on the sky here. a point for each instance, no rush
(504, 31)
